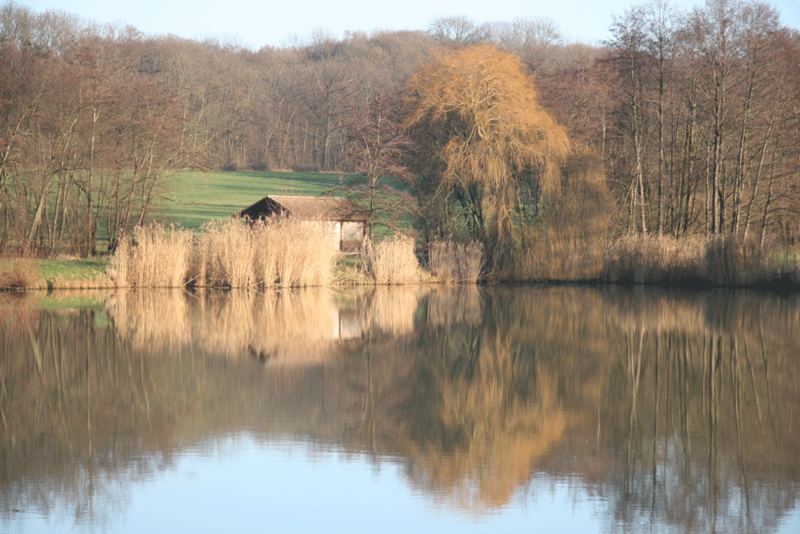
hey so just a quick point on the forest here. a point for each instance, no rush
(668, 150)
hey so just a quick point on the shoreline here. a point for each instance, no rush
(778, 287)
(634, 270)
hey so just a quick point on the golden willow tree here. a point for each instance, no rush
(485, 145)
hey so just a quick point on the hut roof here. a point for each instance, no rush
(307, 208)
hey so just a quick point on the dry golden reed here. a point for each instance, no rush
(652, 259)
(716, 261)
(228, 253)
(158, 256)
(23, 274)
(393, 261)
(276, 253)
(552, 255)
(644, 259)
(452, 262)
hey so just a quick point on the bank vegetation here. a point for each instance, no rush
(666, 155)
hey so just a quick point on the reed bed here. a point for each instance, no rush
(698, 261)
(664, 260)
(157, 256)
(289, 253)
(558, 256)
(452, 262)
(652, 259)
(230, 253)
(393, 261)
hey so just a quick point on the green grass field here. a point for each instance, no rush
(37, 273)
(194, 198)
(191, 199)
(72, 269)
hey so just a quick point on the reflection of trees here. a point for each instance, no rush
(702, 445)
(61, 395)
(676, 409)
(482, 413)
(84, 401)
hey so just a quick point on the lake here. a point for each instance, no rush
(414, 409)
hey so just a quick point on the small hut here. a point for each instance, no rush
(346, 222)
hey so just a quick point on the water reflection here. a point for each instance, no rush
(673, 409)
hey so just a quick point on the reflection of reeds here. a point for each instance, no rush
(392, 309)
(18, 311)
(657, 313)
(287, 326)
(294, 327)
(456, 306)
(154, 320)
(298, 326)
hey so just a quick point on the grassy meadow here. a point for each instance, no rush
(190, 199)
(45, 273)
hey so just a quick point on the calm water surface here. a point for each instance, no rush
(400, 410)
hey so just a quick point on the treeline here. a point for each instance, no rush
(705, 125)
(86, 134)
(692, 116)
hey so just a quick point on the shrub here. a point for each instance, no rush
(20, 274)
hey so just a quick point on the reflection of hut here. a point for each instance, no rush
(344, 219)
(347, 325)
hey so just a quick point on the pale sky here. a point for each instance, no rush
(254, 23)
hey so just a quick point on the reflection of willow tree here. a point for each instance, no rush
(676, 409)
(483, 411)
